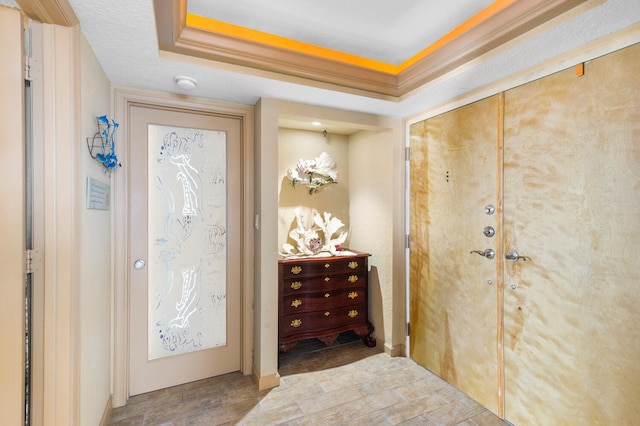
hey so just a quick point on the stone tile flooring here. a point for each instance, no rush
(345, 384)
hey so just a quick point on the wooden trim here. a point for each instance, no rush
(57, 12)
(500, 250)
(502, 27)
(266, 382)
(123, 99)
(57, 50)
(107, 413)
(12, 155)
(489, 32)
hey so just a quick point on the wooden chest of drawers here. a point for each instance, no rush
(321, 298)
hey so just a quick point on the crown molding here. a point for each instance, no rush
(58, 12)
(176, 36)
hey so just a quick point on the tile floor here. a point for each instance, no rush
(345, 384)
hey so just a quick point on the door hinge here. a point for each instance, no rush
(30, 68)
(28, 261)
(407, 154)
(407, 241)
(408, 329)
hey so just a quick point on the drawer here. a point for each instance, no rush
(330, 299)
(322, 266)
(323, 283)
(323, 320)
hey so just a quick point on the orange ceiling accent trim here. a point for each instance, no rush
(236, 31)
(473, 22)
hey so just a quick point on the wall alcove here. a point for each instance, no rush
(369, 200)
(359, 189)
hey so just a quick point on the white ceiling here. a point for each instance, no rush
(122, 33)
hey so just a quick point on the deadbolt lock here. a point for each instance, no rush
(489, 231)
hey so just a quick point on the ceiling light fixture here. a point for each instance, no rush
(316, 123)
(185, 83)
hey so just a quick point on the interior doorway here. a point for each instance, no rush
(126, 101)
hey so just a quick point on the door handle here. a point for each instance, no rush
(139, 264)
(488, 253)
(513, 256)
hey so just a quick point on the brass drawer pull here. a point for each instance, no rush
(353, 264)
(296, 285)
(353, 278)
(296, 323)
(353, 295)
(326, 314)
(353, 313)
(327, 265)
(296, 270)
(327, 295)
(327, 279)
(296, 303)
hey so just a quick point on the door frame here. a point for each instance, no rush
(123, 98)
(12, 358)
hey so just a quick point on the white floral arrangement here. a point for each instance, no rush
(319, 238)
(316, 173)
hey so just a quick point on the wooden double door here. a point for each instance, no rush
(525, 246)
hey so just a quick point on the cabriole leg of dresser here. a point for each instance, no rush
(286, 347)
(365, 333)
(328, 340)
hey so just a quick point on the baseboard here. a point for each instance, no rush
(107, 412)
(266, 382)
(391, 350)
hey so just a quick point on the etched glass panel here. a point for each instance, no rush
(187, 240)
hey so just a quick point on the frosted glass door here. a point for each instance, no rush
(187, 240)
(185, 204)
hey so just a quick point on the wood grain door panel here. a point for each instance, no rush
(557, 334)
(454, 299)
(572, 204)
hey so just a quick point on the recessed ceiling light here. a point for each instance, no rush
(185, 83)
(316, 123)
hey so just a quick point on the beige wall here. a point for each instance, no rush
(95, 249)
(11, 218)
(294, 145)
(372, 209)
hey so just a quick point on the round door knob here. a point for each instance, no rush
(139, 264)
